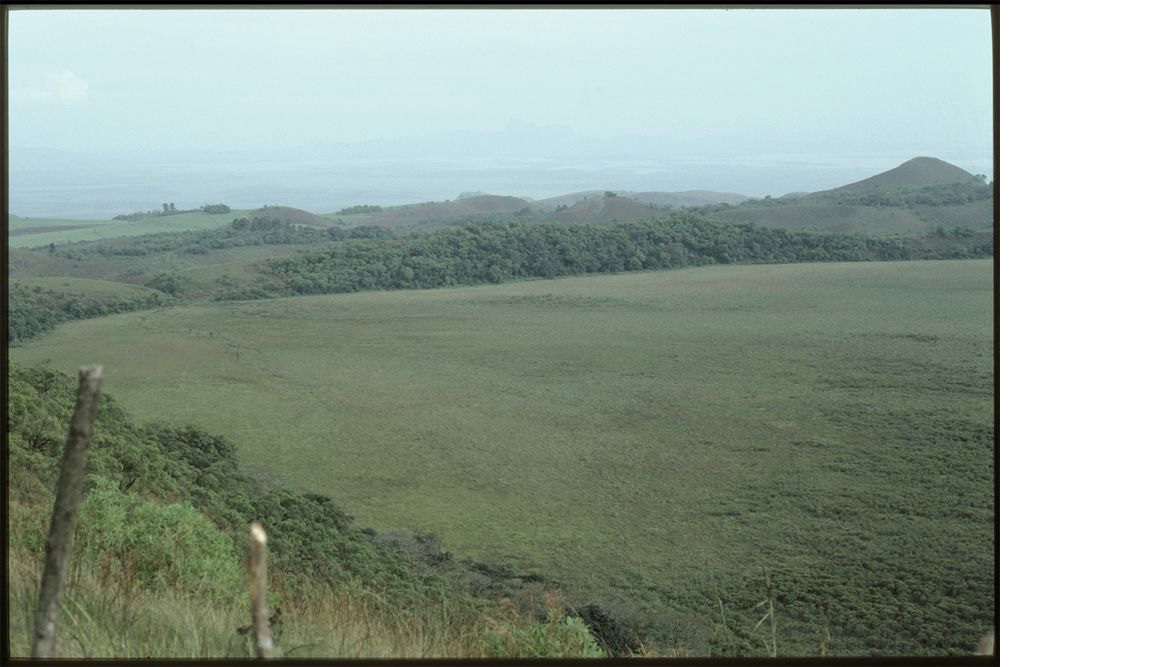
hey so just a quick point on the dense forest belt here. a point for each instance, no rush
(337, 260)
(497, 253)
(36, 310)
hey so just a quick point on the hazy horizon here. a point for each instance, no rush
(115, 110)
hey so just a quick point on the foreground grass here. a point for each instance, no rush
(103, 620)
(656, 441)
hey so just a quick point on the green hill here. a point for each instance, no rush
(605, 208)
(437, 213)
(294, 216)
(918, 197)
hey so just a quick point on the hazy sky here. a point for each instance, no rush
(875, 80)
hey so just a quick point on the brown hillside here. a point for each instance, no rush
(492, 204)
(433, 213)
(602, 210)
(674, 199)
(830, 218)
(687, 198)
(918, 172)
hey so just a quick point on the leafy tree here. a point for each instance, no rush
(170, 283)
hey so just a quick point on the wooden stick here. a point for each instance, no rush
(258, 588)
(69, 490)
(987, 645)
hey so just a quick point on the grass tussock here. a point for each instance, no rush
(102, 619)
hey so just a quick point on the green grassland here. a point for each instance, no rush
(94, 230)
(19, 226)
(658, 442)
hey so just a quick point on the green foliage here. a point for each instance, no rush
(33, 310)
(948, 194)
(561, 636)
(172, 284)
(167, 208)
(956, 232)
(363, 208)
(242, 232)
(216, 208)
(164, 517)
(141, 544)
(497, 253)
(311, 539)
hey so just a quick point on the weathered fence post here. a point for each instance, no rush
(987, 645)
(69, 489)
(258, 589)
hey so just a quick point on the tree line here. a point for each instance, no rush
(500, 252)
(169, 208)
(36, 310)
(258, 230)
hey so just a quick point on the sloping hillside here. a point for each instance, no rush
(604, 209)
(829, 218)
(916, 197)
(918, 172)
(674, 199)
(686, 198)
(432, 213)
(291, 215)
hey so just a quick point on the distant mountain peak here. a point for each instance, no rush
(918, 172)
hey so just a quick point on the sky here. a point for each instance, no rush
(816, 81)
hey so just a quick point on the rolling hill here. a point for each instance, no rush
(292, 215)
(674, 199)
(606, 208)
(436, 213)
(916, 197)
(918, 172)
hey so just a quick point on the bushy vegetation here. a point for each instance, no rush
(33, 310)
(362, 208)
(369, 258)
(167, 208)
(948, 194)
(166, 510)
(497, 253)
(934, 196)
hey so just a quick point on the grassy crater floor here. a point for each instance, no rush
(678, 446)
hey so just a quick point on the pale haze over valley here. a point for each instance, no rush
(112, 111)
